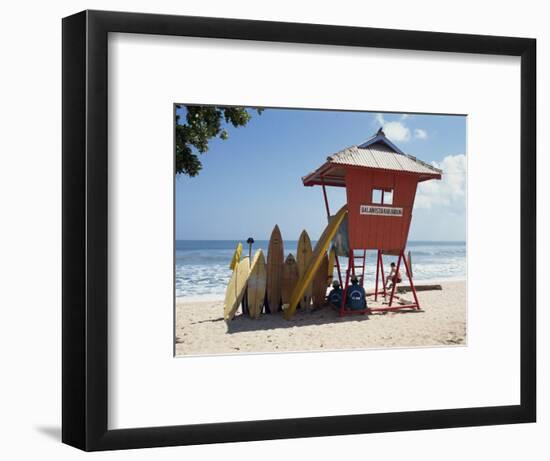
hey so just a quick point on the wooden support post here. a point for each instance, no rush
(409, 276)
(327, 208)
(377, 274)
(382, 272)
(326, 199)
(363, 270)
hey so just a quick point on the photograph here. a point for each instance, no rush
(306, 203)
(302, 230)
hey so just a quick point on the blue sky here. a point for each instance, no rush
(252, 181)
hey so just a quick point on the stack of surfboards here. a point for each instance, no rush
(277, 282)
(268, 283)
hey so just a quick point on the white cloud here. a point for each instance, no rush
(420, 134)
(396, 131)
(450, 191)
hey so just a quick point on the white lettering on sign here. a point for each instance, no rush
(380, 210)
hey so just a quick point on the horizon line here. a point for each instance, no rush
(267, 239)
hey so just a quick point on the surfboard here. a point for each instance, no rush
(331, 261)
(256, 285)
(236, 256)
(275, 258)
(235, 289)
(319, 289)
(316, 259)
(302, 259)
(290, 277)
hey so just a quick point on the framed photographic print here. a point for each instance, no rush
(278, 230)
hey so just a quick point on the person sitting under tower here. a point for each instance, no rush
(394, 277)
(356, 298)
(335, 296)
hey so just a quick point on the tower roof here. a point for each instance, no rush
(377, 153)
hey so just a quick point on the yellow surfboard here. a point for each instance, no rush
(303, 256)
(256, 285)
(236, 256)
(316, 259)
(235, 289)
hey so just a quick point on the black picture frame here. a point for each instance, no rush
(85, 222)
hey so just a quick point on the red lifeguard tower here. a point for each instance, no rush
(380, 182)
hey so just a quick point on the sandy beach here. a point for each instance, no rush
(200, 328)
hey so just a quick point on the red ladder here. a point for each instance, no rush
(362, 258)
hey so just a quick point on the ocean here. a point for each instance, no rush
(202, 266)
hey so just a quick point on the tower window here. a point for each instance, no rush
(377, 195)
(387, 199)
(382, 196)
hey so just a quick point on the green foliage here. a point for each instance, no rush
(203, 123)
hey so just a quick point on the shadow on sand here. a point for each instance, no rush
(242, 323)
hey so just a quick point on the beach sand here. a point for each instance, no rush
(200, 328)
